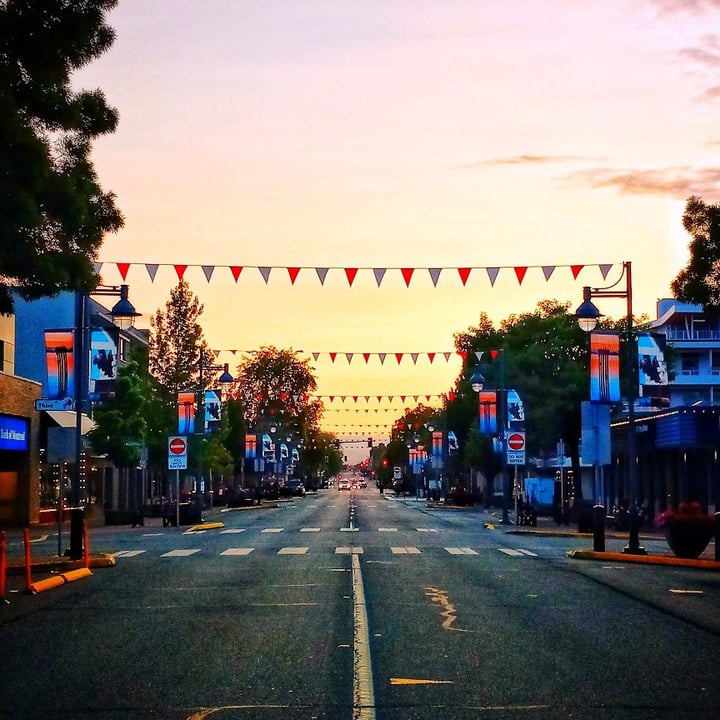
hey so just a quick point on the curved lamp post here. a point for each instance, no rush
(588, 316)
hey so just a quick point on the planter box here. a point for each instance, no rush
(689, 538)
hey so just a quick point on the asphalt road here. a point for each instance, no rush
(355, 605)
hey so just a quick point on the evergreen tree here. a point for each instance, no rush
(54, 212)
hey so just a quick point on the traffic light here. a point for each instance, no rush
(385, 462)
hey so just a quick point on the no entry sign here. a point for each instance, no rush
(177, 453)
(516, 448)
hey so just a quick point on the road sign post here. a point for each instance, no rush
(177, 452)
(515, 447)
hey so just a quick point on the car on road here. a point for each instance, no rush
(293, 488)
(343, 484)
(240, 497)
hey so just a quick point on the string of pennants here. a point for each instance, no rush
(351, 273)
(382, 356)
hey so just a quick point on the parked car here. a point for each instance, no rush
(293, 488)
(242, 496)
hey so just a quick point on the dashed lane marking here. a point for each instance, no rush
(310, 529)
(388, 529)
(292, 550)
(461, 551)
(128, 553)
(405, 551)
(348, 551)
(272, 530)
(181, 553)
(237, 551)
(232, 531)
(427, 530)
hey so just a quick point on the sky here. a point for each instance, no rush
(392, 134)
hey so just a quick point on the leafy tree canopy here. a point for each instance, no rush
(699, 281)
(54, 212)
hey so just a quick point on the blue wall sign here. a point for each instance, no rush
(14, 433)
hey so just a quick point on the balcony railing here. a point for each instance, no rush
(676, 334)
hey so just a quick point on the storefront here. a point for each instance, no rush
(19, 435)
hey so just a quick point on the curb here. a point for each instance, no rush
(264, 506)
(54, 564)
(205, 526)
(645, 559)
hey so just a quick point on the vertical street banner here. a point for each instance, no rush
(654, 388)
(437, 449)
(604, 367)
(268, 449)
(186, 413)
(487, 412)
(515, 411)
(213, 412)
(250, 446)
(103, 361)
(60, 365)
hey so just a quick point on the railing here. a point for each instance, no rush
(675, 334)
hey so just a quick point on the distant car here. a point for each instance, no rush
(294, 488)
(363, 482)
(241, 496)
(343, 484)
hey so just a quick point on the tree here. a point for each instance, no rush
(54, 212)
(278, 383)
(699, 281)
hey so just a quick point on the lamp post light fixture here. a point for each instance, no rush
(123, 315)
(588, 315)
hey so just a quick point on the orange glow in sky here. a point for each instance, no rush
(388, 133)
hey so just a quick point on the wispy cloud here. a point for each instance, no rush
(690, 6)
(528, 160)
(701, 55)
(710, 94)
(671, 181)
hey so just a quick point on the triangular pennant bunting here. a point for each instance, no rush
(208, 271)
(151, 269)
(123, 269)
(464, 274)
(548, 270)
(350, 274)
(293, 273)
(407, 274)
(492, 273)
(322, 274)
(265, 272)
(236, 270)
(379, 275)
(180, 270)
(434, 275)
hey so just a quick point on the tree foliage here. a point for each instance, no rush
(120, 430)
(272, 381)
(699, 281)
(54, 212)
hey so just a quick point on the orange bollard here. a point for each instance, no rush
(28, 564)
(86, 549)
(3, 566)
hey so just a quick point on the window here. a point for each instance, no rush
(690, 364)
(715, 362)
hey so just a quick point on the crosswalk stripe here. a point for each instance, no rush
(461, 551)
(181, 553)
(128, 553)
(510, 551)
(387, 529)
(427, 530)
(292, 550)
(527, 552)
(232, 531)
(237, 551)
(348, 551)
(310, 529)
(405, 551)
(272, 530)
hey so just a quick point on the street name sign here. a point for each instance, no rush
(177, 452)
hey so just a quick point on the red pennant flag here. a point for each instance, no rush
(367, 357)
(463, 354)
(333, 355)
(123, 269)
(399, 357)
(431, 357)
(407, 274)
(494, 354)
(355, 398)
(520, 274)
(293, 273)
(379, 398)
(402, 398)
(464, 274)
(576, 270)
(350, 274)
(180, 270)
(332, 397)
(236, 270)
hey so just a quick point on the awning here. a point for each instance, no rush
(68, 419)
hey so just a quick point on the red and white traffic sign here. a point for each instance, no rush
(516, 441)
(177, 452)
(515, 448)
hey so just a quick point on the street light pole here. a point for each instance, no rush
(587, 315)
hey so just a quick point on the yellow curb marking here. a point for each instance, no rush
(205, 526)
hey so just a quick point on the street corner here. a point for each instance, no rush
(668, 560)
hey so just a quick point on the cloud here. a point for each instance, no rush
(528, 160)
(701, 55)
(710, 94)
(676, 182)
(695, 7)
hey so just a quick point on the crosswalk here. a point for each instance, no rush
(339, 550)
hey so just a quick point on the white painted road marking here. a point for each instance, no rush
(181, 553)
(348, 551)
(272, 530)
(237, 551)
(232, 531)
(461, 551)
(313, 529)
(405, 551)
(387, 529)
(128, 553)
(293, 550)
(363, 690)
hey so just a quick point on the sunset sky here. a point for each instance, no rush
(402, 134)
